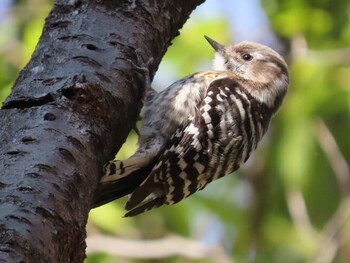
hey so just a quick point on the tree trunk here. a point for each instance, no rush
(69, 112)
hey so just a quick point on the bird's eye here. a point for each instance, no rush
(247, 57)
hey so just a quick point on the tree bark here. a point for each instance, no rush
(69, 112)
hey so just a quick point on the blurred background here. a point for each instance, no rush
(290, 202)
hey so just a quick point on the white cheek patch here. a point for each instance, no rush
(268, 96)
(219, 62)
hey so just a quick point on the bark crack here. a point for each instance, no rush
(29, 102)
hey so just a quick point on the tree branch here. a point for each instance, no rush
(70, 110)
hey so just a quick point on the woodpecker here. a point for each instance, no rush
(199, 129)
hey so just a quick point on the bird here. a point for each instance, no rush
(199, 129)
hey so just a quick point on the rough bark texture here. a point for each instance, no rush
(69, 112)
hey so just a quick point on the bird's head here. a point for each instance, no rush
(261, 66)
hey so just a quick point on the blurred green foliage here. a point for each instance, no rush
(19, 33)
(290, 202)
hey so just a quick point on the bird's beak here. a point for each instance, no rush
(214, 44)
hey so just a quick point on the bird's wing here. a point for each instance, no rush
(182, 168)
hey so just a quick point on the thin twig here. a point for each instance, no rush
(331, 243)
(340, 56)
(160, 248)
(334, 156)
(298, 211)
(332, 231)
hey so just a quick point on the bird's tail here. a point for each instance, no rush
(121, 178)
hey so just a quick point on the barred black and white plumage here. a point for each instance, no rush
(200, 128)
